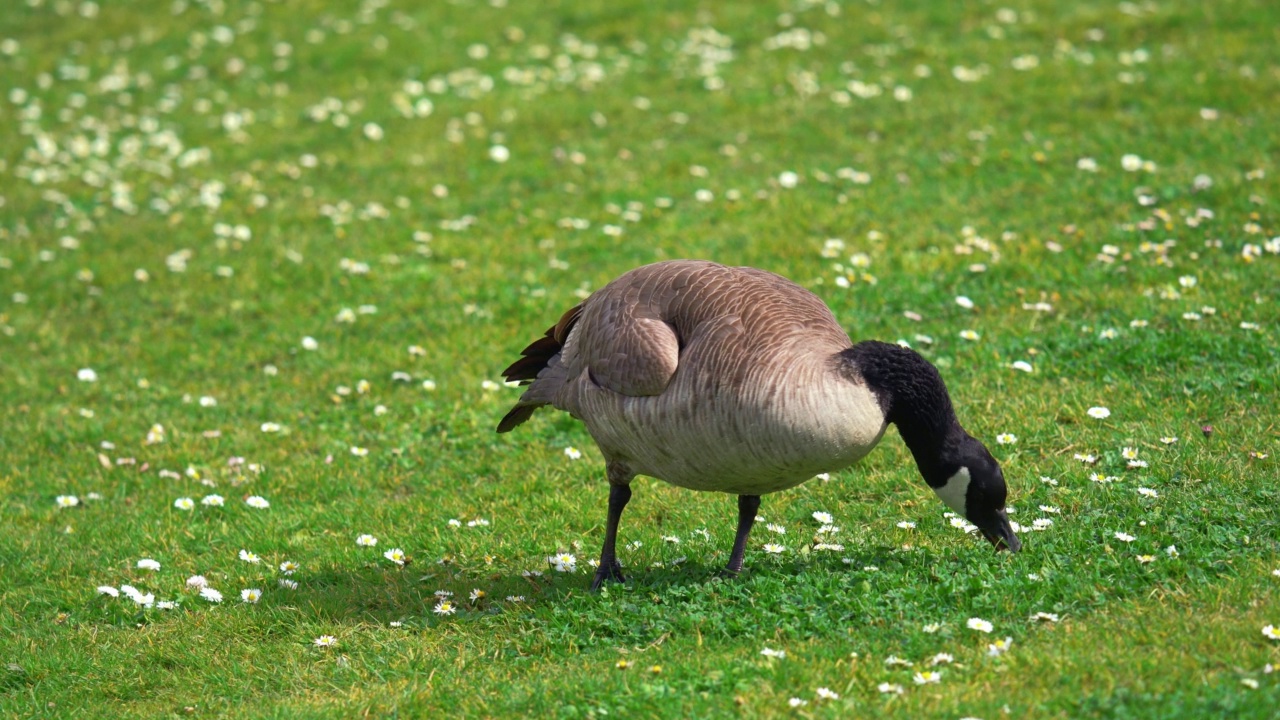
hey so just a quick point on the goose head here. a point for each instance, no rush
(969, 481)
(957, 466)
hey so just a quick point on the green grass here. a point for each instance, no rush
(616, 117)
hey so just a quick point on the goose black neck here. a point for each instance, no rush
(913, 397)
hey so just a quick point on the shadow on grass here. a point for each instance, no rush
(795, 595)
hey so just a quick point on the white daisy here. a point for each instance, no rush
(980, 625)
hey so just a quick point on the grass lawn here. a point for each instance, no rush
(261, 264)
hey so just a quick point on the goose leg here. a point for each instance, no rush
(747, 507)
(609, 568)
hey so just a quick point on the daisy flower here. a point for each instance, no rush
(979, 624)
(288, 567)
(1006, 438)
(287, 584)
(1270, 631)
(476, 594)
(250, 595)
(1169, 439)
(573, 453)
(770, 652)
(325, 641)
(773, 548)
(941, 658)
(1099, 413)
(359, 451)
(1148, 492)
(1022, 365)
(139, 597)
(1129, 453)
(932, 628)
(108, 590)
(826, 694)
(927, 677)
(1124, 537)
(148, 564)
(796, 702)
(999, 647)
(1171, 551)
(969, 335)
(67, 501)
(907, 525)
(395, 555)
(212, 501)
(257, 501)
(823, 517)
(366, 541)
(1144, 559)
(445, 607)
(210, 594)
(184, 503)
(776, 528)
(1048, 617)
(197, 581)
(249, 557)
(564, 562)
(890, 688)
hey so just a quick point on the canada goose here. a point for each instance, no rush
(740, 381)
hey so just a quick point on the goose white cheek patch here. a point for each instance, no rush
(954, 492)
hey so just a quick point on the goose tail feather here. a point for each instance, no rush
(539, 367)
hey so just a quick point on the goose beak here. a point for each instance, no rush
(1000, 533)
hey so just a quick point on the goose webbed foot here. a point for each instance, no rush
(728, 573)
(611, 571)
